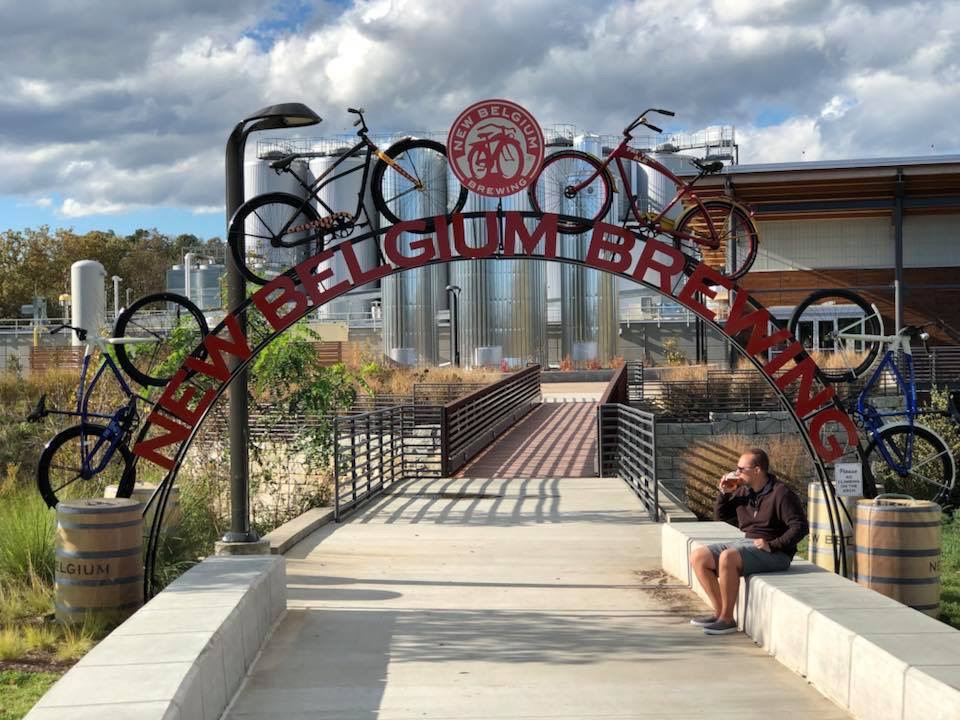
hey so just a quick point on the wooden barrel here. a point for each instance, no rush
(822, 538)
(172, 515)
(898, 550)
(99, 568)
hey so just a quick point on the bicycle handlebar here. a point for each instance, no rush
(359, 121)
(642, 120)
(81, 333)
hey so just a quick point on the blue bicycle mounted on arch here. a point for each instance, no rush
(148, 338)
(902, 456)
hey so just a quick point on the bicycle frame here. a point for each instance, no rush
(624, 152)
(871, 417)
(118, 423)
(329, 175)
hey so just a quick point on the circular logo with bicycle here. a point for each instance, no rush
(495, 148)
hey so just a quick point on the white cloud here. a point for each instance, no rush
(793, 140)
(72, 208)
(88, 114)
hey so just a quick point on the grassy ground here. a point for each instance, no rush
(20, 690)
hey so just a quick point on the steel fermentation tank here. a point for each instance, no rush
(259, 178)
(589, 313)
(503, 303)
(341, 195)
(412, 298)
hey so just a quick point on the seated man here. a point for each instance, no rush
(772, 518)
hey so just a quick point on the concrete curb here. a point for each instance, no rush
(873, 656)
(672, 509)
(183, 655)
(290, 533)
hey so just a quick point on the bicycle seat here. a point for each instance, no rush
(710, 168)
(284, 162)
(39, 410)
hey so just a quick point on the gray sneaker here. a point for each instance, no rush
(703, 620)
(720, 627)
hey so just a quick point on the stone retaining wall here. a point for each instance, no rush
(674, 437)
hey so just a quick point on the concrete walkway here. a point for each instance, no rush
(504, 599)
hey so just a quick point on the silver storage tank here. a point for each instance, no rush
(206, 291)
(503, 303)
(88, 303)
(259, 178)
(341, 195)
(411, 299)
(589, 313)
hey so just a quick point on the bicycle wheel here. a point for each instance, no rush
(398, 199)
(61, 466)
(823, 323)
(734, 228)
(479, 162)
(552, 191)
(167, 327)
(270, 233)
(511, 160)
(927, 469)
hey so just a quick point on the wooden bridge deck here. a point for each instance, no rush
(556, 440)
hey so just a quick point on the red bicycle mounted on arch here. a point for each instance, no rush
(717, 232)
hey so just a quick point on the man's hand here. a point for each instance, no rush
(728, 483)
(762, 544)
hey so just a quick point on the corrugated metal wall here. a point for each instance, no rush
(931, 240)
(811, 244)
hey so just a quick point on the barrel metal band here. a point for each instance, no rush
(898, 552)
(99, 583)
(61, 608)
(99, 526)
(894, 523)
(98, 510)
(897, 581)
(98, 554)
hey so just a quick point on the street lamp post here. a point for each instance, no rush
(273, 117)
(454, 292)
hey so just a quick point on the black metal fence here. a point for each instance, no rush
(473, 422)
(627, 448)
(414, 440)
(376, 449)
(626, 385)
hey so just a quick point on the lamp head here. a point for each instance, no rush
(284, 115)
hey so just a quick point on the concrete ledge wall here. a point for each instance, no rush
(873, 656)
(183, 655)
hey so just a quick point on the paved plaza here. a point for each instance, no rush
(504, 598)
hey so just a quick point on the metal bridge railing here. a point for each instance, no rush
(473, 422)
(627, 448)
(376, 449)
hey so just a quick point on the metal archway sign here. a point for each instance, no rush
(827, 430)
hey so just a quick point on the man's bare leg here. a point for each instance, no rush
(705, 568)
(731, 566)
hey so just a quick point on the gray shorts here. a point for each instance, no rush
(754, 559)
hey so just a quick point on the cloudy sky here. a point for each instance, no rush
(114, 113)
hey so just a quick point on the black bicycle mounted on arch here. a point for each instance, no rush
(269, 233)
(149, 340)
